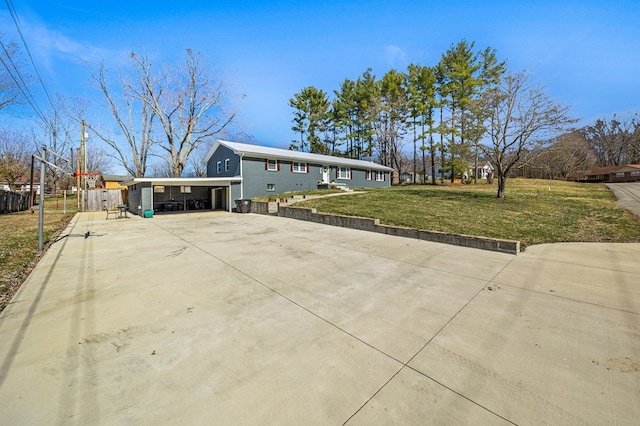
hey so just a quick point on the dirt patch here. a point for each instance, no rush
(621, 365)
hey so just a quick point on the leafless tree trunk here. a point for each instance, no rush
(189, 106)
(520, 120)
(133, 117)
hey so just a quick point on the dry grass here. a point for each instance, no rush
(19, 242)
(534, 211)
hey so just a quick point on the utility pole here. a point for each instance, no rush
(81, 166)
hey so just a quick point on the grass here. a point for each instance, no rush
(533, 211)
(19, 242)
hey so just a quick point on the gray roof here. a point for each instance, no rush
(278, 153)
(115, 178)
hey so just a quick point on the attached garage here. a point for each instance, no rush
(174, 195)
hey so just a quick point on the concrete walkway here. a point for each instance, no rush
(219, 318)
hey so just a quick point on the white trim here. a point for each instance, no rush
(299, 168)
(226, 181)
(347, 169)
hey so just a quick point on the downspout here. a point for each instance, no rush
(241, 178)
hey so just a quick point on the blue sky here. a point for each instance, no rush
(587, 53)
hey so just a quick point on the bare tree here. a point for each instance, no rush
(565, 158)
(189, 105)
(615, 141)
(11, 75)
(170, 109)
(15, 157)
(133, 116)
(520, 120)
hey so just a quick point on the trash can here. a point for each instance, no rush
(243, 206)
(148, 213)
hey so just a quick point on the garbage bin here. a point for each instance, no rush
(243, 206)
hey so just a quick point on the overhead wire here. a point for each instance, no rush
(19, 80)
(31, 99)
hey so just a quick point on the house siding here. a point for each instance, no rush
(614, 174)
(135, 198)
(257, 180)
(223, 153)
(256, 177)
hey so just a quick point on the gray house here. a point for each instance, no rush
(240, 171)
(263, 170)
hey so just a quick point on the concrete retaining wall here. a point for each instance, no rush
(263, 207)
(373, 225)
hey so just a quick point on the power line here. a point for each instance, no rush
(16, 20)
(19, 81)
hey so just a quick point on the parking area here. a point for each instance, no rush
(221, 318)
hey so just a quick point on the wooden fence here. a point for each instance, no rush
(97, 199)
(13, 201)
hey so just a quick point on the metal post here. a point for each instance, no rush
(31, 185)
(83, 168)
(41, 206)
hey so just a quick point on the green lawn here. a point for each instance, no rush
(533, 211)
(19, 242)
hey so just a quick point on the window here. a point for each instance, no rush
(271, 187)
(299, 167)
(272, 165)
(620, 174)
(344, 173)
(380, 176)
(226, 165)
(635, 173)
(369, 175)
(218, 166)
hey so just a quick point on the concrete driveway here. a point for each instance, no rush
(218, 318)
(627, 195)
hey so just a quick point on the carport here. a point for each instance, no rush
(174, 195)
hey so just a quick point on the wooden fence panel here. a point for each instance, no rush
(14, 201)
(98, 199)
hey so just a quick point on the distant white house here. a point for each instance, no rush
(483, 171)
(22, 187)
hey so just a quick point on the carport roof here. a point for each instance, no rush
(198, 181)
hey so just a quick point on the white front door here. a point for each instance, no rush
(325, 174)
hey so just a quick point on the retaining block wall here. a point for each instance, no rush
(373, 225)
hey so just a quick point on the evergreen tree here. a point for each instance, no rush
(311, 107)
(466, 75)
(392, 118)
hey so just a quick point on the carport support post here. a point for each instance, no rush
(41, 206)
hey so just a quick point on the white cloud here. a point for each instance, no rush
(395, 56)
(49, 44)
